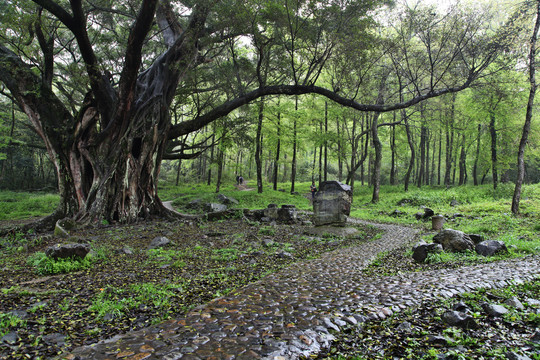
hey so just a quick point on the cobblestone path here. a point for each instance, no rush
(289, 313)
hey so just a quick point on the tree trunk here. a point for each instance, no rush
(339, 150)
(325, 141)
(440, 158)
(422, 162)
(320, 155)
(221, 155)
(449, 145)
(393, 149)
(528, 115)
(293, 165)
(258, 147)
(463, 163)
(278, 150)
(493, 133)
(477, 157)
(411, 147)
(377, 160)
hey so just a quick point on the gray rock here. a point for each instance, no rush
(195, 204)
(532, 302)
(330, 325)
(55, 339)
(494, 309)
(332, 204)
(287, 214)
(513, 356)
(405, 327)
(421, 251)
(476, 238)
(460, 306)
(227, 200)
(437, 340)
(515, 303)
(454, 240)
(427, 214)
(125, 250)
(284, 255)
(536, 337)
(459, 319)
(268, 242)
(491, 247)
(454, 203)
(67, 251)
(159, 242)
(213, 207)
(396, 213)
(10, 338)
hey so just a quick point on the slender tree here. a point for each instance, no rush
(528, 116)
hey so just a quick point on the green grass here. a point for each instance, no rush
(182, 195)
(22, 205)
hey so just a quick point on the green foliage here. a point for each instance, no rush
(47, 266)
(267, 230)
(115, 302)
(8, 322)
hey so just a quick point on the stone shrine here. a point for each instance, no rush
(332, 204)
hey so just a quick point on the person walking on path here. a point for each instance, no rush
(313, 190)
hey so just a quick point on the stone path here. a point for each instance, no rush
(289, 313)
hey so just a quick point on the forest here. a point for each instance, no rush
(100, 101)
(125, 124)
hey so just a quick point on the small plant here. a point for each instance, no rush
(10, 321)
(267, 230)
(48, 266)
(226, 254)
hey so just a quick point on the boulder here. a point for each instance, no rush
(459, 319)
(491, 247)
(454, 203)
(476, 238)
(454, 240)
(159, 242)
(515, 303)
(214, 207)
(494, 309)
(227, 200)
(332, 204)
(427, 214)
(287, 213)
(63, 227)
(422, 250)
(196, 204)
(67, 251)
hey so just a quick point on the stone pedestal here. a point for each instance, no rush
(437, 222)
(332, 204)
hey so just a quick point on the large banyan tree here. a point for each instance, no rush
(97, 78)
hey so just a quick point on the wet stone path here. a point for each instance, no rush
(290, 313)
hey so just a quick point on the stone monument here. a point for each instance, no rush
(332, 204)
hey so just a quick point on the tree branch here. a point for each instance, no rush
(229, 106)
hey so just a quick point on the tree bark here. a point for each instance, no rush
(376, 181)
(325, 141)
(258, 147)
(411, 147)
(477, 156)
(293, 165)
(493, 133)
(278, 150)
(528, 115)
